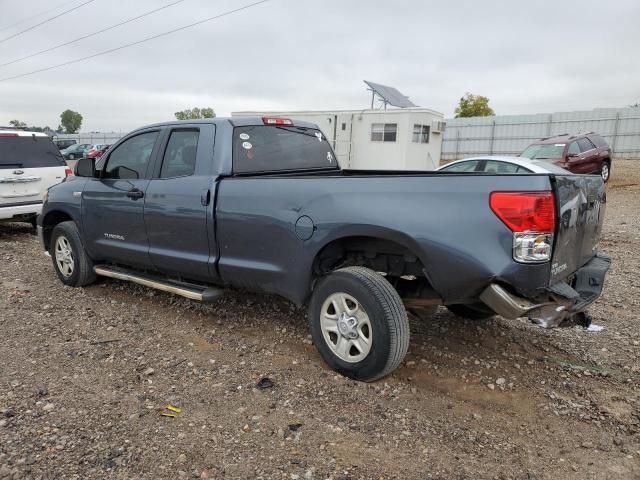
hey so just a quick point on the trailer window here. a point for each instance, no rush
(266, 148)
(420, 133)
(384, 132)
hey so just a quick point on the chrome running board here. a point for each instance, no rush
(202, 295)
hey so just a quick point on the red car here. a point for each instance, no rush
(96, 151)
(582, 153)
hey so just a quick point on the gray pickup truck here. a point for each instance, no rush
(256, 203)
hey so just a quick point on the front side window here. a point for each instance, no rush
(130, 159)
(585, 145)
(269, 148)
(420, 133)
(384, 132)
(574, 149)
(180, 155)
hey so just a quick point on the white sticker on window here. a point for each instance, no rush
(559, 145)
(329, 157)
(244, 136)
(247, 145)
(319, 135)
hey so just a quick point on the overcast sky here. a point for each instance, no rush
(527, 57)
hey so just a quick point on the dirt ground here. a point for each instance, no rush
(85, 375)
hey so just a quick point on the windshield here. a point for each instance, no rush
(29, 152)
(267, 148)
(544, 150)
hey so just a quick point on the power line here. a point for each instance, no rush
(91, 34)
(45, 21)
(224, 14)
(24, 20)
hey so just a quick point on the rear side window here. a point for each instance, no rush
(266, 148)
(493, 166)
(180, 154)
(598, 141)
(29, 152)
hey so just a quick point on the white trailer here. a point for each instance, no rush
(392, 139)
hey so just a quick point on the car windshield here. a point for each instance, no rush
(544, 150)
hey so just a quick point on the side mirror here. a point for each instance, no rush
(85, 167)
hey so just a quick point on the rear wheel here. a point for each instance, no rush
(475, 311)
(358, 323)
(605, 171)
(70, 261)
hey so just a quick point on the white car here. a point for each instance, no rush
(29, 164)
(504, 165)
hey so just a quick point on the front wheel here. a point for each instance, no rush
(71, 156)
(358, 323)
(605, 171)
(70, 261)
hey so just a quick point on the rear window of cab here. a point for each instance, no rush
(276, 148)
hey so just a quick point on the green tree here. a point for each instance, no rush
(17, 124)
(195, 113)
(473, 106)
(71, 121)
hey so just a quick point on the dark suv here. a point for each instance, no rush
(582, 153)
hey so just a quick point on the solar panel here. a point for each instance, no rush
(390, 95)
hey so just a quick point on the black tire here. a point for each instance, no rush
(82, 267)
(471, 312)
(71, 156)
(389, 335)
(605, 171)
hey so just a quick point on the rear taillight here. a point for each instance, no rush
(68, 172)
(276, 121)
(531, 216)
(8, 134)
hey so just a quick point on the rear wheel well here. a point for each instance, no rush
(49, 222)
(401, 267)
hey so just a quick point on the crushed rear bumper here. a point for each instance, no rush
(562, 300)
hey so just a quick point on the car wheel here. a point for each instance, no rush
(358, 323)
(70, 261)
(72, 156)
(476, 311)
(605, 171)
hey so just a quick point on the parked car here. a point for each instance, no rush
(75, 151)
(504, 165)
(64, 143)
(96, 150)
(583, 153)
(270, 210)
(29, 164)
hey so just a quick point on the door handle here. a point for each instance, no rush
(135, 193)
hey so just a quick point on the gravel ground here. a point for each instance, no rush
(86, 374)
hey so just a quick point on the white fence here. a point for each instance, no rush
(93, 137)
(510, 134)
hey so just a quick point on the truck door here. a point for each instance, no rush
(113, 204)
(178, 211)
